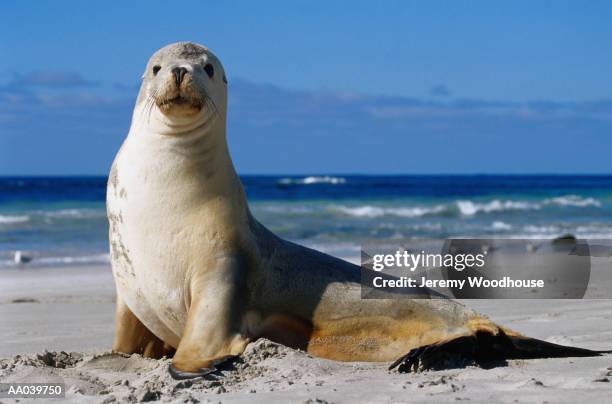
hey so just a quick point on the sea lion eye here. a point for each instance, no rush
(209, 70)
(156, 69)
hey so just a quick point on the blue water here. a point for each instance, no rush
(59, 221)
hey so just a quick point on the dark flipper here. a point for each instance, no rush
(484, 349)
(181, 375)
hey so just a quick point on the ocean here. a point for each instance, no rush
(62, 220)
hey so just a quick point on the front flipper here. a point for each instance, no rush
(212, 333)
(179, 374)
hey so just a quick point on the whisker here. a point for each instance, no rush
(212, 106)
(149, 105)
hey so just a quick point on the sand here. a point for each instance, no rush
(57, 325)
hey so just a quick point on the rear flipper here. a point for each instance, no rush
(483, 348)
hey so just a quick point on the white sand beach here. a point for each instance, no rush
(70, 310)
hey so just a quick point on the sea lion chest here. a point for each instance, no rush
(163, 226)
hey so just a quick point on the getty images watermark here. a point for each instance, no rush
(561, 268)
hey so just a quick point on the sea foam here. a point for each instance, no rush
(469, 208)
(377, 211)
(6, 219)
(313, 180)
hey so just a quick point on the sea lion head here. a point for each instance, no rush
(184, 80)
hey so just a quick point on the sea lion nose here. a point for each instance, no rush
(179, 73)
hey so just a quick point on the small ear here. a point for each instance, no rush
(224, 79)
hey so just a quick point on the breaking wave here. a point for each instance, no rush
(312, 180)
(38, 259)
(84, 259)
(74, 213)
(469, 208)
(13, 219)
(573, 200)
(48, 216)
(499, 225)
(376, 211)
(465, 208)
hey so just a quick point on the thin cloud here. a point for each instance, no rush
(343, 131)
(270, 103)
(254, 102)
(51, 79)
(440, 90)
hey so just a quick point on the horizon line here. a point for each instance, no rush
(543, 174)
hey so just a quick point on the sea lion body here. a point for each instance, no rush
(196, 273)
(284, 284)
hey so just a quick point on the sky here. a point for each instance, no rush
(401, 87)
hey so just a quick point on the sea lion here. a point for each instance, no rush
(196, 273)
